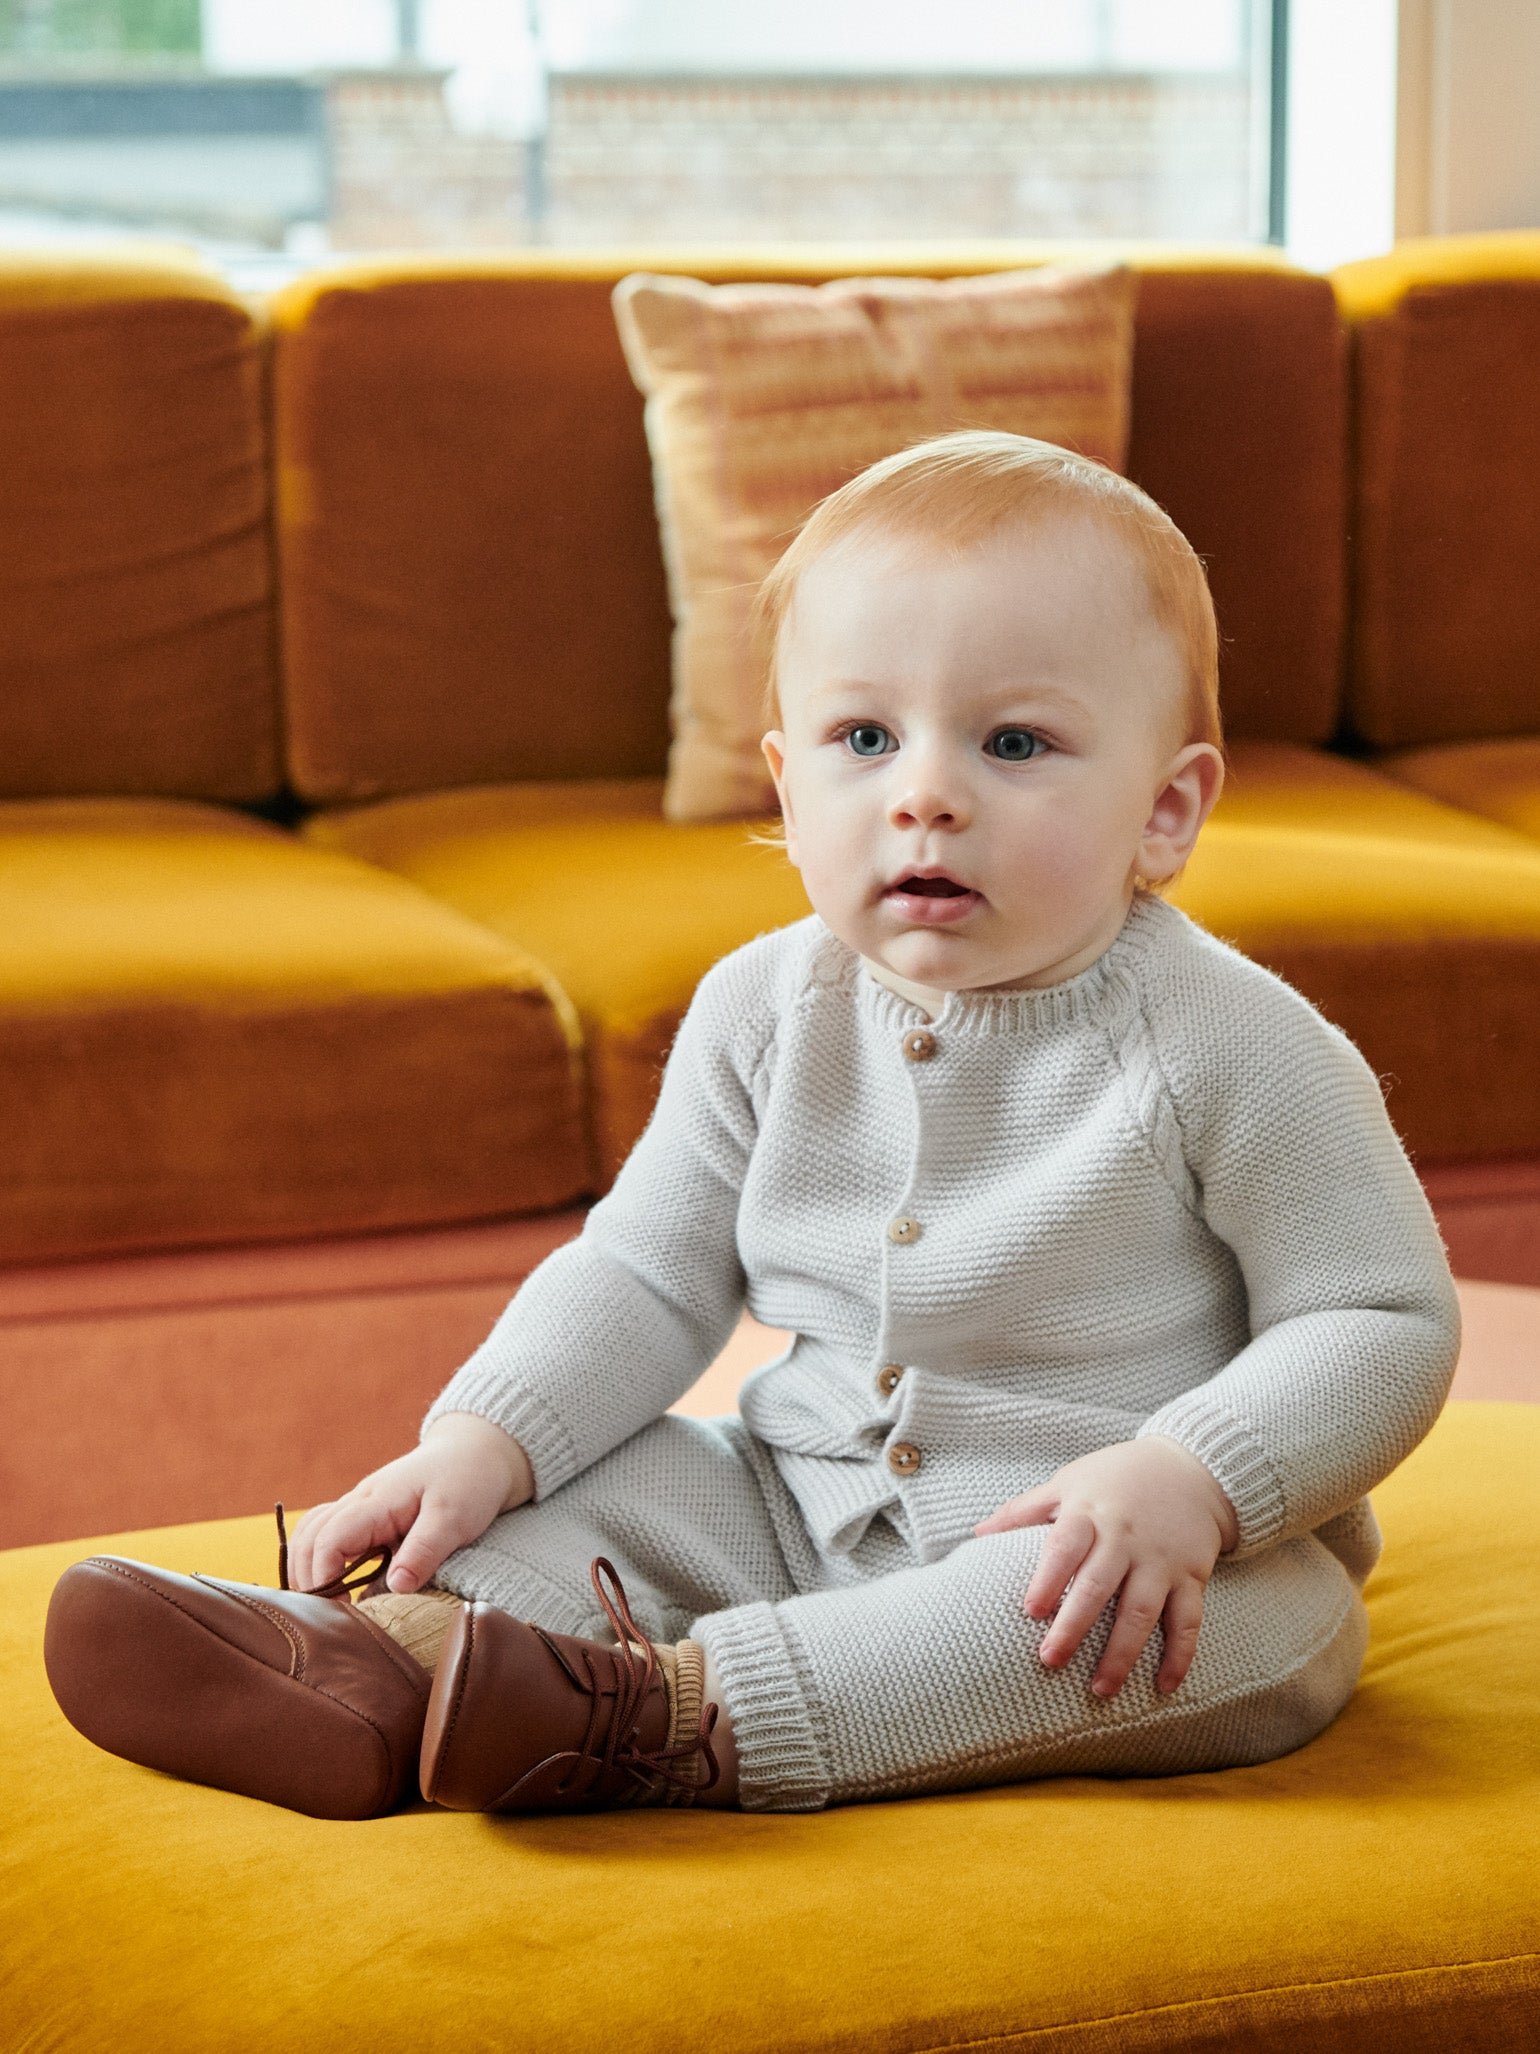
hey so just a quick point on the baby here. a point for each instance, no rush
(1112, 1291)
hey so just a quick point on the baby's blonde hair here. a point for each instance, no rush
(958, 490)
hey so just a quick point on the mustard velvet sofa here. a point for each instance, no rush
(333, 680)
(333, 709)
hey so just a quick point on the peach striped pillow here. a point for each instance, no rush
(761, 399)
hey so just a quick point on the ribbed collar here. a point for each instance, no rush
(1081, 997)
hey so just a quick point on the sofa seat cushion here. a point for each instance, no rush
(1375, 1890)
(210, 1032)
(1499, 779)
(1414, 926)
(627, 910)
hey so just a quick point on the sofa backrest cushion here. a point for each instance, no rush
(1446, 348)
(136, 632)
(473, 588)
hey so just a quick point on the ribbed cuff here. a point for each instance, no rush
(1236, 1459)
(481, 1387)
(779, 1765)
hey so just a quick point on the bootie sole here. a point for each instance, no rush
(294, 1699)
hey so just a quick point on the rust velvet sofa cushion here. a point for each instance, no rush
(1446, 350)
(1414, 926)
(1372, 1894)
(473, 589)
(212, 1033)
(136, 631)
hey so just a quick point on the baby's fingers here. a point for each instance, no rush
(435, 1533)
(1139, 1610)
(1069, 1542)
(356, 1526)
(1032, 1508)
(1096, 1583)
(1181, 1620)
(302, 1544)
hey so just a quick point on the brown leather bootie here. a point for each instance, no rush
(291, 1696)
(529, 1721)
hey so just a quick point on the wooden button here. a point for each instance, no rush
(904, 1230)
(903, 1458)
(889, 1377)
(919, 1045)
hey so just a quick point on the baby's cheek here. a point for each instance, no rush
(1067, 866)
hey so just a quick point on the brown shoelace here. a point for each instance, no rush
(356, 1576)
(609, 1745)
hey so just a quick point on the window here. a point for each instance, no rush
(303, 125)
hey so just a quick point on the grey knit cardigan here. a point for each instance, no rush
(1161, 1198)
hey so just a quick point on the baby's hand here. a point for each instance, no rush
(1144, 1522)
(423, 1505)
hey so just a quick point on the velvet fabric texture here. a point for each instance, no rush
(1374, 1891)
(1366, 896)
(211, 1033)
(473, 588)
(135, 574)
(146, 1390)
(626, 909)
(1413, 926)
(1500, 779)
(764, 399)
(1446, 609)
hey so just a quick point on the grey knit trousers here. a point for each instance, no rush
(873, 1674)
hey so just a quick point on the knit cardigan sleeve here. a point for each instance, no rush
(611, 1329)
(1354, 1319)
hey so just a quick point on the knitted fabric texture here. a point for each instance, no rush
(418, 1621)
(1162, 1198)
(906, 1677)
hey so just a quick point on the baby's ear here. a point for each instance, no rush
(1193, 782)
(773, 748)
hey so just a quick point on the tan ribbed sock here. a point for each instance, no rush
(683, 1666)
(417, 1621)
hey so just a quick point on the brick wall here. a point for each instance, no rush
(630, 158)
(401, 176)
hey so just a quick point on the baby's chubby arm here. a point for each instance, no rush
(424, 1505)
(1142, 1522)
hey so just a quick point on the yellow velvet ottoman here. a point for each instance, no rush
(1375, 1890)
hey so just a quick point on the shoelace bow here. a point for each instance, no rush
(676, 1765)
(356, 1576)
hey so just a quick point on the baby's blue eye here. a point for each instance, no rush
(1015, 745)
(869, 740)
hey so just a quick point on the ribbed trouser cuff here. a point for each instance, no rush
(780, 1768)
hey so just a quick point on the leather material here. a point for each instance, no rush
(523, 1720)
(282, 1695)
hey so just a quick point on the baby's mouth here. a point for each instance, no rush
(931, 899)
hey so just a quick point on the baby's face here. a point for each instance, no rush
(980, 752)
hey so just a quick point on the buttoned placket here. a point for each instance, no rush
(922, 1048)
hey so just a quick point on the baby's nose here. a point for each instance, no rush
(929, 802)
